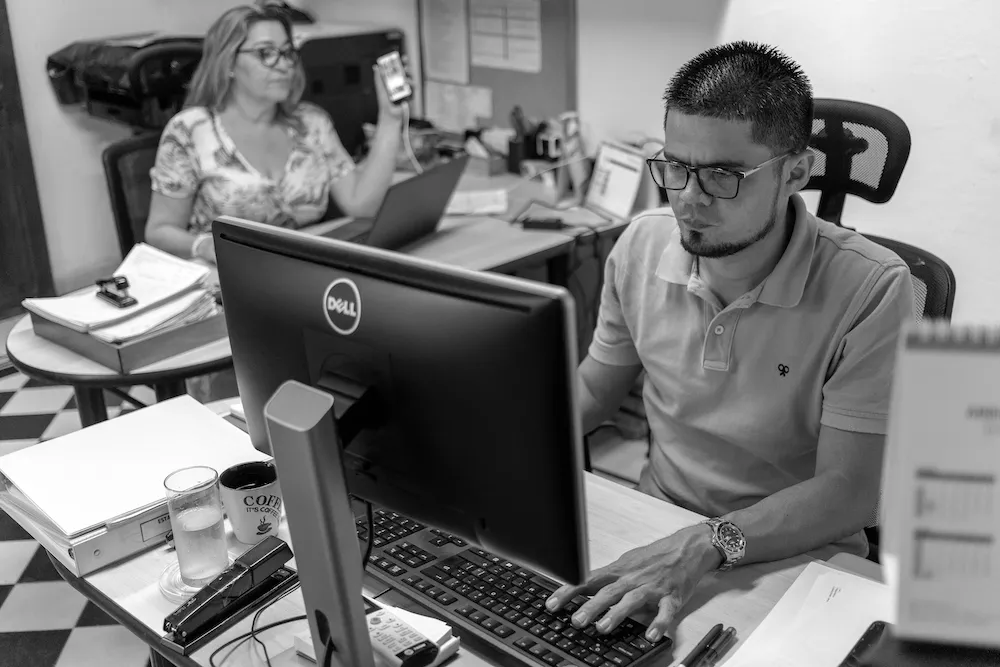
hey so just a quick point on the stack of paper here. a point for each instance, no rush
(188, 308)
(436, 631)
(155, 278)
(817, 621)
(105, 482)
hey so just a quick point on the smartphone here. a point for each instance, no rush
(394, 75)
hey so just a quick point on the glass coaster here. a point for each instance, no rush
(174, 588)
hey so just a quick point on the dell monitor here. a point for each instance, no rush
(451, 394)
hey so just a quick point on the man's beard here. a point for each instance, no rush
(694, 242)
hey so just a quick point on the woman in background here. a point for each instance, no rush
(246, 146)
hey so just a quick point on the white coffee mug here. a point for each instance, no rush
(252, 498)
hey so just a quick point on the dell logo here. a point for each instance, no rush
(342, 306)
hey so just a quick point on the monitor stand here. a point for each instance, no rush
(307, 452)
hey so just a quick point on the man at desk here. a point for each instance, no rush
(767, 337)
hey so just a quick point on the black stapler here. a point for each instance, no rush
(249, 580)
(114, 290)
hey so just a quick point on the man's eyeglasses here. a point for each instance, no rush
(716, 182)
(270, 55)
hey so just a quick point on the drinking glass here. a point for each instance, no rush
(197, 522)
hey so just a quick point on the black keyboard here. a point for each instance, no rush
(493, 603)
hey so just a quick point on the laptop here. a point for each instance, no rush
(410, 210)
(611, 191)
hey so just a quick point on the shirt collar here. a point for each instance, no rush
(786, 283)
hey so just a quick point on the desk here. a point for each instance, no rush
(42, 359)
(619, 519)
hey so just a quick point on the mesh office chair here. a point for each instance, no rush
(126, 168)
(861, 149)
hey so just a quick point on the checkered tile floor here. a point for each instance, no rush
(43, 621)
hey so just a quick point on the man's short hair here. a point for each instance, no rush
(751, 82)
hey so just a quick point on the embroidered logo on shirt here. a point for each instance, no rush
(783, 370)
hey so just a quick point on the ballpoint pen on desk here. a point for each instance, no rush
(695, 655)
(717, 648)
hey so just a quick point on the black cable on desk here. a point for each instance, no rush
(245, 636)
(371, 536)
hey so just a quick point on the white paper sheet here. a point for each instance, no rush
(457, 108)
(506, 34)
(445, 28)
(117, 467)
(153, 275)
(816, 622)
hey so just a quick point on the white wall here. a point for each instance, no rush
(66, 144)
(933, 63)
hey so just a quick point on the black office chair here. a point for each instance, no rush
(861, 150)
(126, 168)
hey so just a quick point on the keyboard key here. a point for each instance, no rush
(553, 659)
(551, 637)
(465, 610)
(411, 580)
(538, 630)
(617, 659)
(579, 652)
(628, 650)
(524, 643)
(395, 570)
(422, 586)
(513, 616)
(565, 644)
(525, 623)
(477, 617)
(435, 574)
(538, 650)
(489, 623)
(446, 599)
(641, 644)
(593, 659)
(502, 631)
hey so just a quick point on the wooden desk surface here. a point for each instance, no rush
(35, 352)
(619, 519)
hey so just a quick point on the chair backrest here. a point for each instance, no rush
(126, 168)
(933, 280)
(861, 150)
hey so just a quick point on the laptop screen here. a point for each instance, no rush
(615, 181)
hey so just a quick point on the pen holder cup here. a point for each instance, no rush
(515, 155)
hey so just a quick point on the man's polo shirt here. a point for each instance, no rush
(735, 396)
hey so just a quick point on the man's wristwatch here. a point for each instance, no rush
(729, 540)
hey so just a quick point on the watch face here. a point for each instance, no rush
(731, 538)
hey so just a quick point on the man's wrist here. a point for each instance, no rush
(705, 550)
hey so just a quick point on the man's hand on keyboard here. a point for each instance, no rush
(661, 576)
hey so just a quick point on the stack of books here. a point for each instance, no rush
(175, 310)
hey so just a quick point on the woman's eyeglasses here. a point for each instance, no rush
(270, 55)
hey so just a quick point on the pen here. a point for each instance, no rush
(716, 648)
(700, 647)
